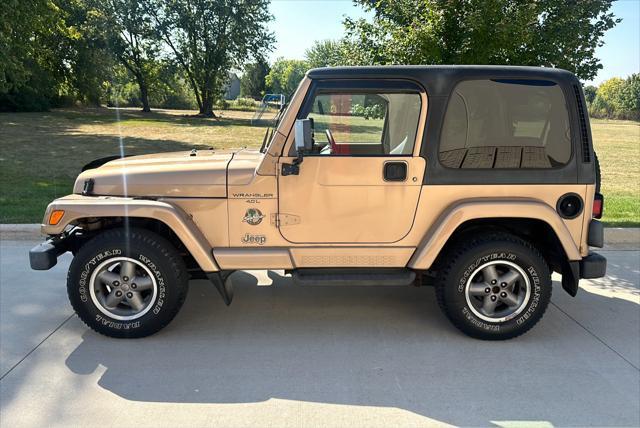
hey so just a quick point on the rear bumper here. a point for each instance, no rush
(593, 266)
(595, 234)
(45, 256)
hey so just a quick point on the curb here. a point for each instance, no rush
(624, 237)
(20, 232)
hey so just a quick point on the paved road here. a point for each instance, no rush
(288, 356)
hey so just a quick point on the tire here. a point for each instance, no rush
(96, 276)
(467, 272)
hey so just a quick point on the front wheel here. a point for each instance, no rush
(495, 287)
(127, 283)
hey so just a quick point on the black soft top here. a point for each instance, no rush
(438, 79)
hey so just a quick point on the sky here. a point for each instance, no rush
(298, 23)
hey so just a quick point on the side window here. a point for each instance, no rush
(365, 123)
(505, 123)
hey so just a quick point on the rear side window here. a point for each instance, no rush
(506, 123)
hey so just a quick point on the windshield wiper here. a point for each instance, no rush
(272, 128)
(265, 139)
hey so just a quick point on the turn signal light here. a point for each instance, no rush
(55, 217)
(598, 205)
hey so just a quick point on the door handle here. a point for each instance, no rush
(395, 171)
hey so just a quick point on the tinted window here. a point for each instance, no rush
(365, 123)
(506, 124)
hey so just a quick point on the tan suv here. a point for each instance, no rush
(480, 181)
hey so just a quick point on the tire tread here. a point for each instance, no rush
(149, 239)
(452, 257)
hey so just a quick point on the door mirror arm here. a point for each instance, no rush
(292, 168)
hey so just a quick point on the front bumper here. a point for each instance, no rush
(45, 256)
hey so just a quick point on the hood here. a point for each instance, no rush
(201, 173)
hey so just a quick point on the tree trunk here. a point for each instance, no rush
(206, 109)
(144, 95)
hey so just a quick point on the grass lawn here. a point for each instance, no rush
(617, 143)
(42, 153)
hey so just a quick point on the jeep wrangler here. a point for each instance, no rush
(477, 180)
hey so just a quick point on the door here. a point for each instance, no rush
(362, 180)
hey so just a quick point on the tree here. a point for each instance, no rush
(324, 53)
(210, 37)
(618, 98)
(50, 54)
(32, 62)
(610, 95)
(88, 62)
(253, 83)
(630, 97)
(552, 33)
(590, 93)
(129, 34)
(285, 75)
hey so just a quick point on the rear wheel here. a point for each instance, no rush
(127, 283)
(495, 287)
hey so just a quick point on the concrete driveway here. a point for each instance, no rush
(288, 356)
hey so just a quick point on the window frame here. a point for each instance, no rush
(366, 86)
(534, 82)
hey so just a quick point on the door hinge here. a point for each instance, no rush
(284, 219)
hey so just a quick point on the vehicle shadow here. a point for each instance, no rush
(364, 346)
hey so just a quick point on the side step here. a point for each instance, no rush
(377, 277)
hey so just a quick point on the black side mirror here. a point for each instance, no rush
(303, 135)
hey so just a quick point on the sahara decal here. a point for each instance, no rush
(253, 216)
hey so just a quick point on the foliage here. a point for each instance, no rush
(552, 33)
(32, 61)
(374, 111)
(248, 103)
(221, 104)
(285, 75)
(170, 90)
(324, 53)
(630, 95)
(253, 83)
(617, 98)
(127, 29)
(590, 93)
(210, 37)
(52, 55)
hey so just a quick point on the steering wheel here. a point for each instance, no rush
(332, 141)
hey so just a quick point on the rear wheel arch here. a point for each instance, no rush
(535, 231)
(520, 217)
